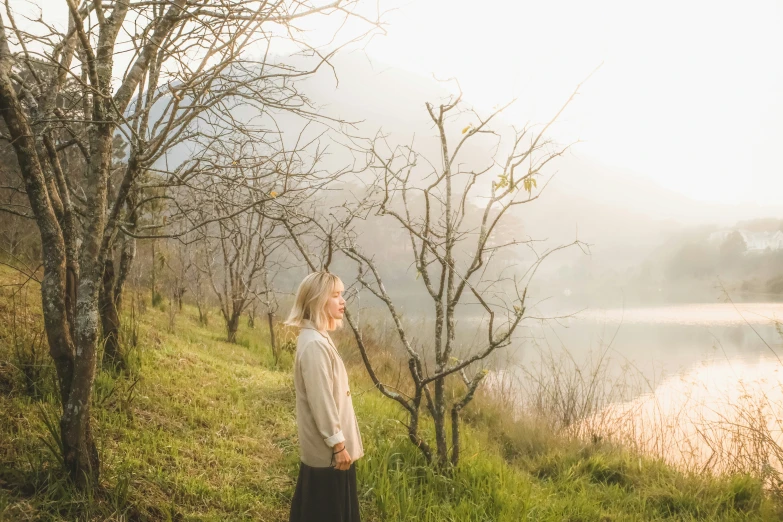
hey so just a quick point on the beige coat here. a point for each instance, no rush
(324, 409)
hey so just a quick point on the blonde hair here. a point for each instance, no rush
(310, 302)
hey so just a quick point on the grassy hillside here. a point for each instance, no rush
(204, 430)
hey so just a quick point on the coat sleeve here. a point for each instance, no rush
(318, 376)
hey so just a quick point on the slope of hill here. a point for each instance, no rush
(204, 430)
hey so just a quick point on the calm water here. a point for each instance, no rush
(708, 379)
(699, 385)
(663, 341)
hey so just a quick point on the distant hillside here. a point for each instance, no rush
(621, 213)
(623, 216)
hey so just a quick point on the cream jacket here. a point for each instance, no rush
(324, 409)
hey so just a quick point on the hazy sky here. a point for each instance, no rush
(689, 94)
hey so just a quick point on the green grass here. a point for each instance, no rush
(208, 433)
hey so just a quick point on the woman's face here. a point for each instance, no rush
(335, 305)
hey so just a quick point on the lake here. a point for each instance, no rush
(699, 385)
(663, 340)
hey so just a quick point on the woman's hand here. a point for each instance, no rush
(342, 460)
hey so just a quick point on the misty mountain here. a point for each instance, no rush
(624, 217)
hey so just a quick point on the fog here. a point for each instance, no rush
(653, 252)
(635, 227)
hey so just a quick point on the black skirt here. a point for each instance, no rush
(325, 495)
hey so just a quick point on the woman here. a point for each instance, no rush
(329, 439)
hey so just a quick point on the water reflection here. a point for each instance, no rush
(711, 314)
(719, 416)
(711, 393)
(699, 385)
(661, 341)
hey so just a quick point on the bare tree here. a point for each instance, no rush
(244, 244)
(241, 245)
(152, 71)
(452, 221)
(180, 264)
(268, 296)
(198, 283)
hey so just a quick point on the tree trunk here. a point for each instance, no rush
(58, 292)
(439, 419)
(455, 411)
(154, 296)
(270, 316)
(202, 314)
(178, 291)
(251, 317)
(232, 325)
(80, 452)
(128, 252)
(81, 455)
(172, 311)
(455, 445)
(126, 261)
(413, 435)
(110, 320)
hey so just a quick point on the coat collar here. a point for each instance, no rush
(308, 324)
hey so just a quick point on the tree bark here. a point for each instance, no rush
(72, 364)
(270, 316)
(413, 435)
(455, 444)
(202, 314)
(251, 317)
(110, 320)
(126, 262)
(439, 419)
(153, 282)
(232, 325)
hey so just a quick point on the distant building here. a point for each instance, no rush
(755, 241)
